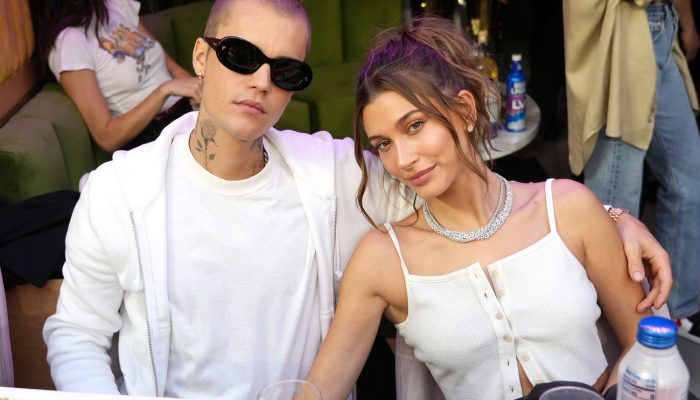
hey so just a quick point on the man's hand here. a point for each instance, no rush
(645, 256)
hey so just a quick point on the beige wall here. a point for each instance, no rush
(18, 75)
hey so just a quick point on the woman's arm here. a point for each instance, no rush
(354, 327)
(113, 133)
(591, 234)
(645, 256)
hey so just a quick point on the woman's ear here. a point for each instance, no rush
(467, 99)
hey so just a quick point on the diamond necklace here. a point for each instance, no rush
(499, 217)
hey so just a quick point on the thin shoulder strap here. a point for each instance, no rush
(550, 204)
(395, 241)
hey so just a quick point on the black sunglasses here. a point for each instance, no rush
(241, 56)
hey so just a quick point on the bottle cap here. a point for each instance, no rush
(516, 57)
(657, 332)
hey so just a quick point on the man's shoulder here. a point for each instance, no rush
(138, 171)
(319, 137)
(321, 145)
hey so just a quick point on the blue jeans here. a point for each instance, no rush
(614, 171)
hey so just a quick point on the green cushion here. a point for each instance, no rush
(54, 107)
(161, 28)
(363, 19)
(326, 32)
(31, 160)
(188, 23)
(295, 116)
(335, 115)
(332, 98)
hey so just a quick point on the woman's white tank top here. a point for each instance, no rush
(541, 311)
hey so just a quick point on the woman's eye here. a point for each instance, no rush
(415, 126)
(380, 146)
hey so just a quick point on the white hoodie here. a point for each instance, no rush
(115, 275)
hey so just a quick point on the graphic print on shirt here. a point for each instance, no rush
(122, 42)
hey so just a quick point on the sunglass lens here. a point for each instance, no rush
(288, 71)
(242, 56)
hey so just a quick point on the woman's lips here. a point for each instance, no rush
(420, 178)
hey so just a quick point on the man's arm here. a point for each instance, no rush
(645, 256)
(87, 314)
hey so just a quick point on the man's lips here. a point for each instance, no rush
(420, 178)
(251, 106)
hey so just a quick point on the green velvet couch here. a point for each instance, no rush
(45, 146)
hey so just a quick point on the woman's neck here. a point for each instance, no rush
(469, 204)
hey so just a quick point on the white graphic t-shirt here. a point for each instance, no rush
(128, 64)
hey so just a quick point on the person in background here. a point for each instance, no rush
(495, 284)
(630, 101)
(215, 251)
(126, 87)
(690, 41)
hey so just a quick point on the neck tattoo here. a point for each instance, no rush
(258, 165)
(500, 215)
(207, 131)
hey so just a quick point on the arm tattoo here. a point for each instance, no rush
(207, 131)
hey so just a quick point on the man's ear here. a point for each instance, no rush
(199, 56)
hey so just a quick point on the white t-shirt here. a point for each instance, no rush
(128, 64)
(242, 280)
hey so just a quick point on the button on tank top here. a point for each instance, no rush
(541, 311)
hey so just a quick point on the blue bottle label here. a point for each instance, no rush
(515, 108)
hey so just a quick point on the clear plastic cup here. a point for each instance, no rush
(292, 389)
(570, 393)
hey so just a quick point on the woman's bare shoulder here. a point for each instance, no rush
(375, 248)
(574, 199)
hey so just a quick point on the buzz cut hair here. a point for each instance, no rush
(221, 11)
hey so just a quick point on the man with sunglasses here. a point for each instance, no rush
(216, 250)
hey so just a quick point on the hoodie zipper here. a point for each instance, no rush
(145, 301)
(337, 273)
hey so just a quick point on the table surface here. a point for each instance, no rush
(506, 142)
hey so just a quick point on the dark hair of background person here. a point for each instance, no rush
(50, 17)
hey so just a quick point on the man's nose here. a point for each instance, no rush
(261, 79)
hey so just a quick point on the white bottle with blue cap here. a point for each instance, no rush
(653, 369)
